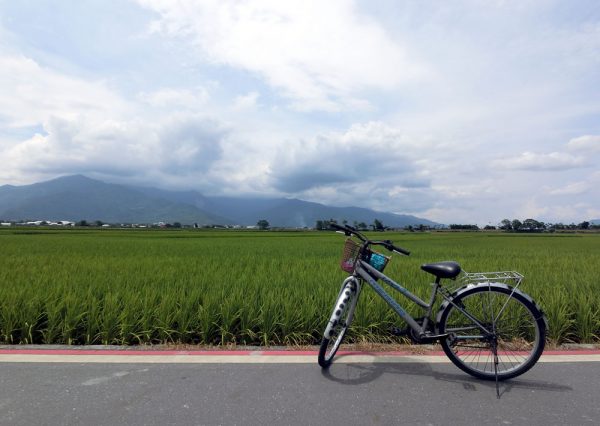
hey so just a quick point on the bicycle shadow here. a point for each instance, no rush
(356, 374)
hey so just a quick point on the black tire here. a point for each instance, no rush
(520, 331)
(340, 320)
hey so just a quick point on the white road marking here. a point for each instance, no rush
(98, 380)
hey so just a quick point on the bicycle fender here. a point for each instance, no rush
(335, 316)
(471, 286)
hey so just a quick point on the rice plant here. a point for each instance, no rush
(257, 288)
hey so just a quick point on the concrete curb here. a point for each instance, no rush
(20, 355)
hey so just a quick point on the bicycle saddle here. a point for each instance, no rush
(442, 269)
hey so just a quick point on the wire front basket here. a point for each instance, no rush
(349, 256)
(352, 252)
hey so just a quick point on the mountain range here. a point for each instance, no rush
(78, 197)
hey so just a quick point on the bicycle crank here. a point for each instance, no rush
(432, 338)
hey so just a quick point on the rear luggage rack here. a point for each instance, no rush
(507, 277)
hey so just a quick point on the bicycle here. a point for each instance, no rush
(488, 328)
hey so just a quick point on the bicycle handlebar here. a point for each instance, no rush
(349, 231)
(391, 247)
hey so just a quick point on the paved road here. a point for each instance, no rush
(294, 394)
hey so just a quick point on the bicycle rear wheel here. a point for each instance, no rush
(516, 325)
(340, 320)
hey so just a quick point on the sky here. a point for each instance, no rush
(455, 111)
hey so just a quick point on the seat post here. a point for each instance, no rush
(436, 285)
(430, 307)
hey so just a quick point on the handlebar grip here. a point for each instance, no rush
(336, 226)
(341, 229)
(391, 247)
(401, 251)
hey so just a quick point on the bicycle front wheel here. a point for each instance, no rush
(514, 335)
(338, 324)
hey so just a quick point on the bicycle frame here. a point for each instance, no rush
(366, 272)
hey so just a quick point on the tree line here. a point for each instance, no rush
(508, 225)
(532, 225)
(377, 225)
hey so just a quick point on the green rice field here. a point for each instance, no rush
(91, 286)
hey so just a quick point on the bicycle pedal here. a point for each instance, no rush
(396, 331)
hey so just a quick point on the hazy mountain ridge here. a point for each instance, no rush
(78, 197)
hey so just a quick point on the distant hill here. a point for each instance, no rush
(78, 197)
(298, 213)
(283, 212)
(595, 221)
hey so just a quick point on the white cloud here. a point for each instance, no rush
(176, 98)
(588, 143)
(176, 150)
(573, 212)
(83, 126)
(369, 160)
(182, 147)
(246, 101)
(321, 55)
(67, 124)
(575, 188)
(30, 94)
(39, 98)
(591, 182)
(457, 85)
(531, 208)
(541, 162)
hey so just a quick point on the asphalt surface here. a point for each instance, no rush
(293, 394)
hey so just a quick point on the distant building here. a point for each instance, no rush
(52, 223)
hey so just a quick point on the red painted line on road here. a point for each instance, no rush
(315, 352)
(205, 353)
(245, 352)
(441, 353)
(117, 352)
(574, 352)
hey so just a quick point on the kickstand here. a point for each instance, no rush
(495, 352)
